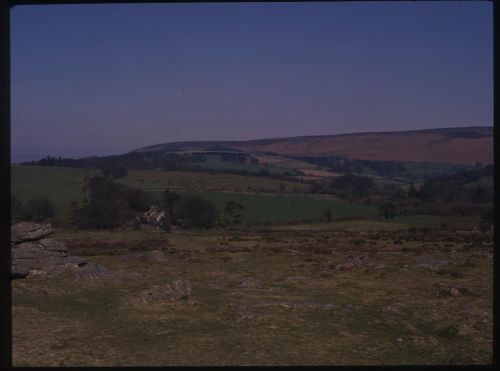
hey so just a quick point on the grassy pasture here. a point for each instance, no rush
(280, 208)
(61, 185)
(159, 180)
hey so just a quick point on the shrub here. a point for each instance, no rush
(232, 212)
(487, 220)
(387, 210)
(170, 201)
(196, 212)
(167, 223)
(106, 205)
(39, 209)
(138, 200)
(101, 214)
(327, 213)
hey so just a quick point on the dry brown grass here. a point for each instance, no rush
(426, 147)
(300, 311)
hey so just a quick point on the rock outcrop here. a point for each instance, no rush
(25, 231)
(154, 218)
(35, 252)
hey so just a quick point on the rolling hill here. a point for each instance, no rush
(460, 145)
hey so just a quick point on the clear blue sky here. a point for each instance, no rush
(106, 79)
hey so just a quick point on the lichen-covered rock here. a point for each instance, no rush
(27, 231)
(35, 253)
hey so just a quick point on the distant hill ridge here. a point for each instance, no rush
(458, 145)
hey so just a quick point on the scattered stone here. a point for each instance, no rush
(152, 256)
(91, 271)
(432, 263)
(295, 278)
(251, 283)
(352, 263)
(469, 262)
(241, 313)
(454, 291)
(433, 340)
(174, 291)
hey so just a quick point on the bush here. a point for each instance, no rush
(101, 214)
(232, 212)
(138, 200)
(39, 209)
(387, 210)
(196, 212)
(167, 222)
(170, 200)
(487, 220)
(327, 213)
(106, 206)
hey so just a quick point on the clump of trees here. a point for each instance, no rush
(170, 201)
(487, 220)
(388, 210)
(327, 213)
(233, 213)
(108, 204)
(37, 209)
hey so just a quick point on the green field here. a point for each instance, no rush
(61, 185)
(280, 208)
(185, 180)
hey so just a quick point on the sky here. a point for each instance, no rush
(106, 79)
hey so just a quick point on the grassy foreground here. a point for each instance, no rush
(300, 310)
